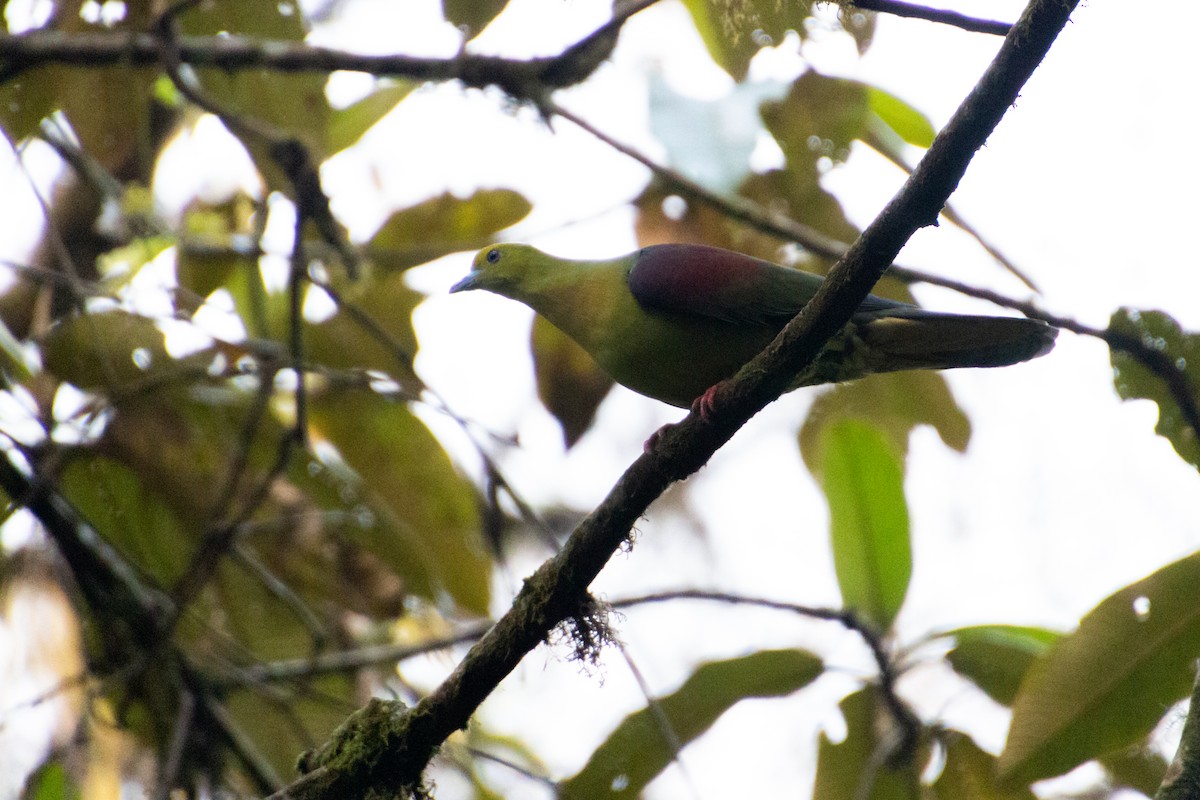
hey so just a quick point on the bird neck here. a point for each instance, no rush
(580, 298)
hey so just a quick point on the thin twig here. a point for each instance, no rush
(341, 661)
(954, 18)
(1149, 357)
(905, 719)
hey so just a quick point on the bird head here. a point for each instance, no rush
(500, 268)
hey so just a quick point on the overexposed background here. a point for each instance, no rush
(1065, 494)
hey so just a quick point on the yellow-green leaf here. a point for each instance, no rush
(997, 657)
(106, 350)
(347, 125)
(445, 224)
(433, 521)
(901, 118)
(863, 479)
(854, 767)
(896, 403)
(970, 774)
(639, 749)
(387, 344)
(735, 32)
(569, 383)
(1179, 356)
(1105, 686)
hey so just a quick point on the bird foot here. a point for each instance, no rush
(705, 405)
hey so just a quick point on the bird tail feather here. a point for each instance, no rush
(929, 340)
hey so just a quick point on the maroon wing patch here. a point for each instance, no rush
(694, 278)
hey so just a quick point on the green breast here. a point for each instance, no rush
(668, 356)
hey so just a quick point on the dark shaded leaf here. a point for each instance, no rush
(26, 100)
(863, 481)
(569, 383)
(445, 224)
(638, 750)
(1133, 380)
(970, 774)
(1105, 686)
(996, 657)
(1137, 767)
(856, 767)
(820, 118)
(473, 15)
(106, 350)
(207, 258)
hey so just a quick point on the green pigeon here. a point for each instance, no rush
(671, 321)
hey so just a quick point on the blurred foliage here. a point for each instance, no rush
(1162, 337)
(996, 657)
(859, 766)
(340, 518)
(1105, 686)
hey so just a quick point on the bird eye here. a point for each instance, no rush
(493, 255)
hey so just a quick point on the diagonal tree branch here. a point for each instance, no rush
(397, 744)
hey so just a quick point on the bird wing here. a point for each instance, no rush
(720, 284)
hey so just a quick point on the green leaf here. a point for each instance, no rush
(1178, 351)
(896, 403)
(345, 341)
(569, 383)
(970, 774)
(1106, 685)
(905, 121)
(863, 481)
(1136, 767)
(206, 258)
(293, 103)
(26, 100)
(639, 749)
(474, 15)
(430, 538)
(997, 657)
(347, 125)
(52, 782)
(735, 32)
(131, 516)
(445, 224)
(855, 768)
(820, 118)
(106, 350)
(13, 365)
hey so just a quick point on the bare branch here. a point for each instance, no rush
(913, 11)
(526, 79)
(905, 719)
